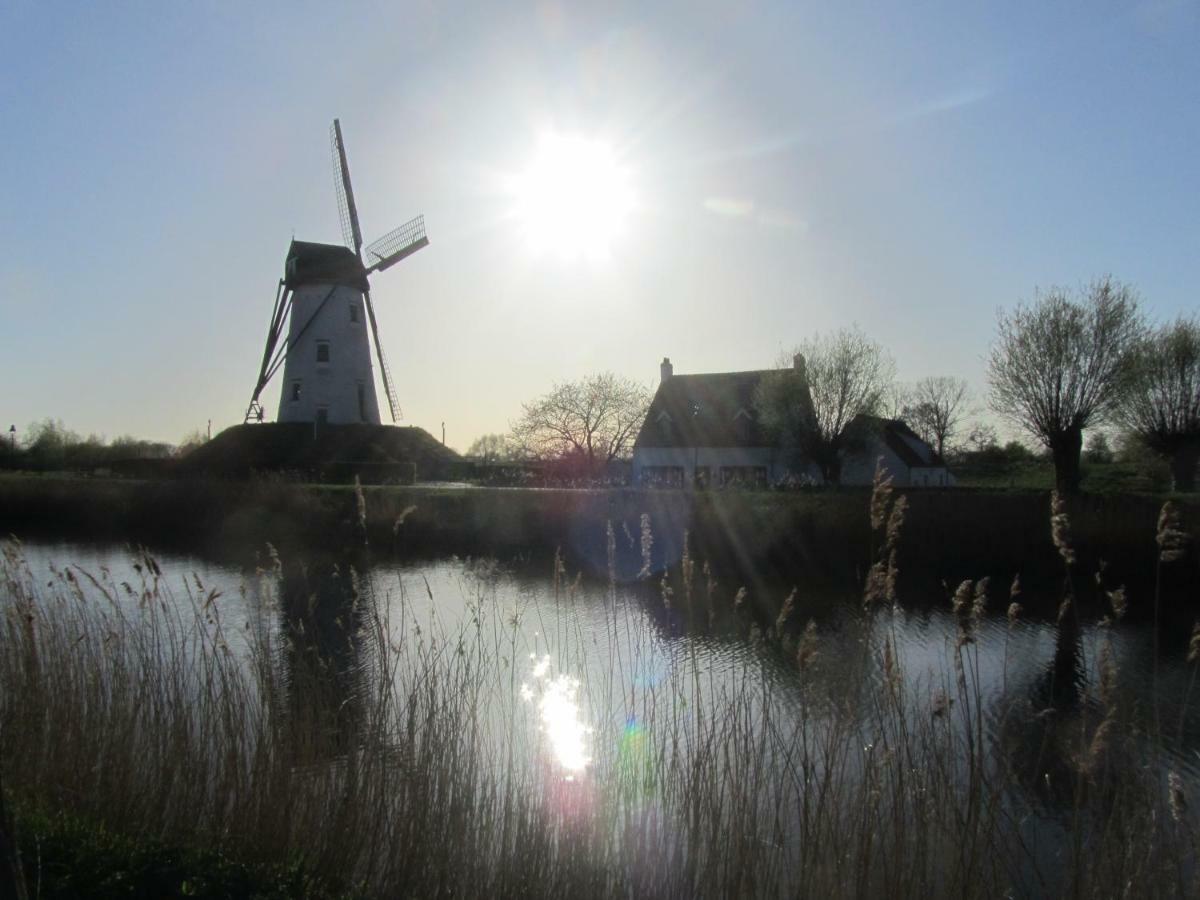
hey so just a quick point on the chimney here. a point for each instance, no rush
(665, 369)
(798, 365)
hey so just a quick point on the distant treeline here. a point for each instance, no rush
(49, 446)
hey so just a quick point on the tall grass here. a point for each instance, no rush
(405, 760)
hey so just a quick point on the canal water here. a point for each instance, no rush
(625, 643)
(581, 671)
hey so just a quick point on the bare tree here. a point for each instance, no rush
(1062, 364)
(816, 406)
(1162, 406)
(935, 408)
(1097, 449)
(190, 441)
(980, 438)
(594, 420)
(491, 448)
(896, 401)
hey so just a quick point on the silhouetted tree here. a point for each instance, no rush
(1097, 449)
(981, 437)
(818, 403)
(1062, 365)
(491, 448)
(594, 420)
(47, 443)
(190, 441)
(935, 408)
(1162, 405)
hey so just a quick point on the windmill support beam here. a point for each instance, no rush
(283, 351)
(278, 313)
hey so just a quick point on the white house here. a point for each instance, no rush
(704, 431)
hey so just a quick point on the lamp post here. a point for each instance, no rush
(12, 439)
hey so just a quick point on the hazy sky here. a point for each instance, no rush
(795, 168)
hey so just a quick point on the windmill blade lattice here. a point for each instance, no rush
(395, 245)
(347, 211)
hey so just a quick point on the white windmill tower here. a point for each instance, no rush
(326, 299)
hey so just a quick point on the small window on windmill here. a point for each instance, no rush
(322, 351)
(354, 312)
(295, 392)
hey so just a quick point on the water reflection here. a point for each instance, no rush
(556, 700)
(642, 657)
(321, 606)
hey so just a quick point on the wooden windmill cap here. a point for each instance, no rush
(311, 263)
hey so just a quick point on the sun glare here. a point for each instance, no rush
(560, 716)
(574, 199)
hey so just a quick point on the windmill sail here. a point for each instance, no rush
(395, 245)
(384, 369)
(347, 211)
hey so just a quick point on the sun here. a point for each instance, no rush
(574, 199)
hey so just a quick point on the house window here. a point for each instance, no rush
(322, 351)
(362, 402)
(662, 476)
(295, 392)
(353, 312)
(744, 476)
(664, 424)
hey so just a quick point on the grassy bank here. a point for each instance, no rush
(1149, 476)
(145, 716)
(951, 534)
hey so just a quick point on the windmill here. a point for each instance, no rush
(326, 356)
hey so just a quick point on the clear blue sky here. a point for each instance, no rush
(797, 168)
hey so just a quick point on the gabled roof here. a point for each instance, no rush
(908, 445)
(703, 411)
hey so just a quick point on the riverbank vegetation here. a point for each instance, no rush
(817, 533)
(405, 758)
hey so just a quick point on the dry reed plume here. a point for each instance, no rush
(151, 715)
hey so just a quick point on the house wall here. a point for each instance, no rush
(931, 476)
(333, 385)
(859, 468)
(689, 459)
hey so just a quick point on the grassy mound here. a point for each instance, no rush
(376, 453)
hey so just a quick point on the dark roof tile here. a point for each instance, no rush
(713, 410)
